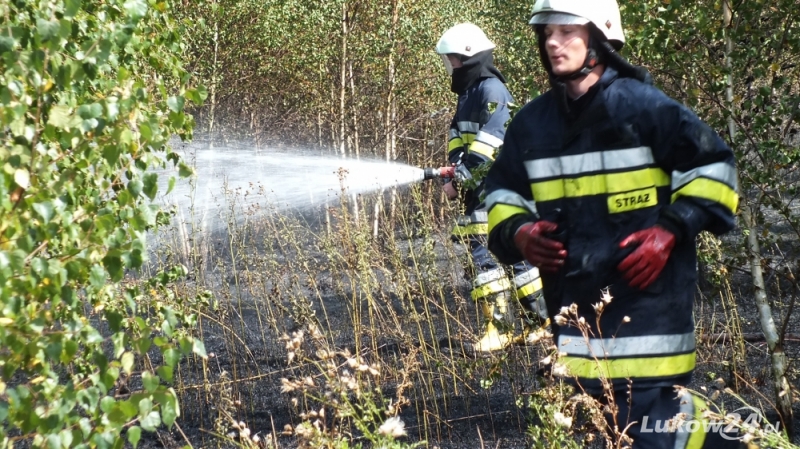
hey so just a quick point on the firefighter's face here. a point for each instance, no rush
(566, 47)
(455, 61)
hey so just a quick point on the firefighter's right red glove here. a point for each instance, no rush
(538, 249)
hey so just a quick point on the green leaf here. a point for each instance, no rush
(184, 171)
(151, 185)
(114, 319)
(45, 210)
(127, 362)
(136, 9)
(170, 410)
(176, 103)
(89, 111)
(151, 421)
(134, 435)
(7, 44)
(61, 117)
(135, 187)
(165, 373)
(171, 357)
(150, 381)
(97, 277)
(199, 348)
(22, 178)
(71, 7)
(47, 29)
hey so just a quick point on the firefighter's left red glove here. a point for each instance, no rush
(645, 263)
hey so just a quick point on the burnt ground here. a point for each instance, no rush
(453, 400)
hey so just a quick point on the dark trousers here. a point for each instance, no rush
(651, 409)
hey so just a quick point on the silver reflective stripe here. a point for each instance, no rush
(632, 157)
(687, 410)
(554, 167)
(626, 346)
(469, 127)
(488, 276)
(526, 278)
(510, 198)
(454, 133)
(489, 139)
(720, 171)
(479, 216)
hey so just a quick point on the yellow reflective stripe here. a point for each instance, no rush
(599, 184)
(471, 229)
(502, 212)
(629, 368)
(482, 148)
(530, 288)
(711, 190)
(468, 138)
(491, 288)
(698, 437)
(455, 144)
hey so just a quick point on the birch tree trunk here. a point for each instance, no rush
(214, 71)
(783, 392)
(355, 112)
(391, 100)
(343, 82)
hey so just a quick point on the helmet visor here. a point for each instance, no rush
(447, 65)
(557, 18)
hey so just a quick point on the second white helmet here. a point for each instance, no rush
(464, 39)
(604, 14)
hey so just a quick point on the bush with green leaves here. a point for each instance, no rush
(90, 94)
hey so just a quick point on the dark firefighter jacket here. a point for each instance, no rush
(476, 132)
(631, 158)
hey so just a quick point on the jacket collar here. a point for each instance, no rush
(572, 109)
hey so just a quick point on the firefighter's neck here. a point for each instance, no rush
(577, 87)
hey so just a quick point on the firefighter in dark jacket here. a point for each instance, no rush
(603, 183)
(476, 131)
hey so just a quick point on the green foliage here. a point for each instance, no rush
(89, 96)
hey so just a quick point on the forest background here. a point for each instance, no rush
(93, 335)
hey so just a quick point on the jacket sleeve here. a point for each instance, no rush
(508, 199)
(455, 145)
(701, 166)
(494, 116)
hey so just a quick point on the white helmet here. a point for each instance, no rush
(464, 39)
(604, 14)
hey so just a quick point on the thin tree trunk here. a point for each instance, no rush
(783, 393)
(391, 100)
(213, 105)
(355, 113)
(377, 215)
(343, 82)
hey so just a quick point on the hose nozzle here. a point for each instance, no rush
(441, 172)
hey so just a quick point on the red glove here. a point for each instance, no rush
(645, 263)
(543, 252)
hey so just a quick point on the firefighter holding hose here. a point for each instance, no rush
(476, 132)
(603, 183)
